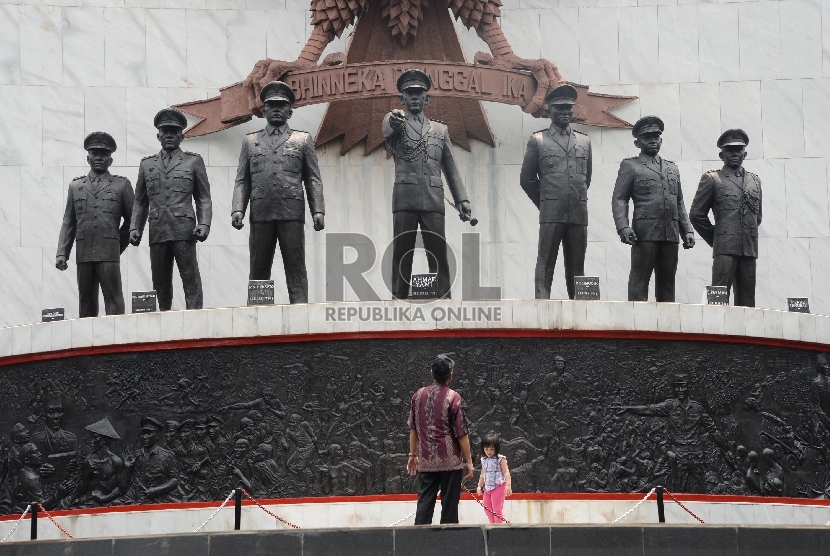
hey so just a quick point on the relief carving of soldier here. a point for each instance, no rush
(556, 175)
(659, 221)
(422, 149)
(151, 471)
(168, 185)
(733, 194)
(96, 204)
(274, 164)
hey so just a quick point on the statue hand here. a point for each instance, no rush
(689, 240)
(46, 470)
(319, 221)
(201, 232)
(397, 118)
(60, 263)
(628, 236)
(544, 71)
(269, 70)
(236, 220)
(135, 237)
(464, 210)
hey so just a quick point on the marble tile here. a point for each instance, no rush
(599, 58)
(664, 100)
(760, 40)
(700, 123)
(61, 335)
(668, 317)
(740, 107)
(598, 315)
(678, 44)
(807, 327)
(244, 322)
(286, 33)
(41, 51)
(817, 113)
(645, 316)
(822, 324)
(229, 277)
(41, 337)
(10, 184)
(171, 325)
(142, 106)
(103, 330)
(772, 175)
(524, 29)
(9, 44)
(560, 27)
(773, 324)
(81, 332)
(22, 281)
(21, 126)
(754, 319)
(22, 340)
(801, 52)
(691, 318)
(207, 48)
(713, 319)
(806, 190)
(42, 203)
(196, 324)
(220, 322)
(6, 341)
(638, 45)
(63, 109)
(718, 42)
(783, 118)
(106, 110)
(296, 317)
(790, 326)
(819, 268)
(622, 315)
(83, 46)
(147, 327)
(166, 48)
(734, 319)
(245, 43)
(789, 270)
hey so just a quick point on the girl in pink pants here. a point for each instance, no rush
(494, 481)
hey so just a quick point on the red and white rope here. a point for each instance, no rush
(679, 503)
(225, 503)
(637, 505)
(498, 515)
(52, 519)
(402, 519)
(272, 514)
(16, 523)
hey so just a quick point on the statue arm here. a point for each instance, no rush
(242, 188)
(682, 215)
(127, 201)
(201, 193)
(702, 203)
(141, 206)
(590, 170)
(528, 178)
(456, 185)
(760, 201)
(70, 222)
(390, 134)
(311, 178)
(622, 195)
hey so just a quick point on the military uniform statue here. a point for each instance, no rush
(95, 206)
(660, 219)
(556, 175)
(734, 196)
(421, 148)
(274, 164)
(168, 184)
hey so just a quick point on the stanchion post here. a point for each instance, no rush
(237, 510)
(661, 514)
(34, 521)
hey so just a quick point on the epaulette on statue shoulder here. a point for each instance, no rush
(146, 157)
(79, 178)
(255, 132)
(541, 131)
(191, 154)
(580, 132)
(438, 121)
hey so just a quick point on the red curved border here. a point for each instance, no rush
(578, 496)
(414, 334)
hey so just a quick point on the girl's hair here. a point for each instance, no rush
(491, 440)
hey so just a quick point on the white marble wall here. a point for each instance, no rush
(69, 67)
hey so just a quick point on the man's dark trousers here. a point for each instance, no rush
(107, 275)
(162, 255)
(738, 274)
(659, 257)
(449, 482)
(290, 234)
(405, 226)
(574, 240)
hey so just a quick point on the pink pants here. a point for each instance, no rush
(494, 500)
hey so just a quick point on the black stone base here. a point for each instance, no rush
(589, 540)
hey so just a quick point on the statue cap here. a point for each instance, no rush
(414, 79)
(277, 91)
(103, 428)
(100, 140)
(732, 137)
(54, 399)
(648, 124)
(172, 424)
(681, 378)
(214, 420)
(151, 423)
(170, 117)
(563, 94)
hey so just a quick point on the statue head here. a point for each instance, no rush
(170, 124)
(681, 386)
(560, 101)
(200, 429)
(647, 132)
(821, 364)
(30, 455)
(20, 434)
(99, 147)
(355, 449)
(214, 425)
(150, 431)
(335, 451)
(240, 448)
(278, 101)
(186, 431)
(54, 410)
(732, 144)
(558, 363)
(414, 86)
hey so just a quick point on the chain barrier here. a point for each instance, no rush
(225, 503)
(52, 519)
(402, 519)
(679, 503)
(498, 515)
(637, 505)
(272, 514)
(16, 523)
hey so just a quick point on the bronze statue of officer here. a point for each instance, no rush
(274, 164)
(556, 175)
(659, 221)
(734, 196)
(421, 148)
(169, 183)
(97, 218)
